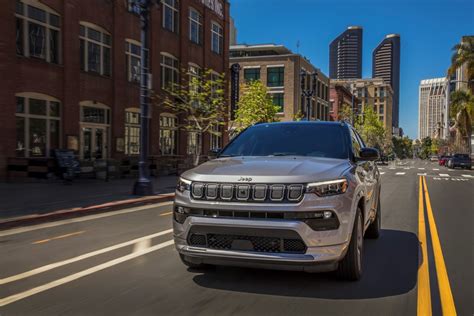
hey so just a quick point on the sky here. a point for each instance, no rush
(428, 30)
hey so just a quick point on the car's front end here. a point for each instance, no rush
(271, 221)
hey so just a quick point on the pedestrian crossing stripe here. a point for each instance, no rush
(444, 175)
(421, 174)
(400, 173)
(467, 176)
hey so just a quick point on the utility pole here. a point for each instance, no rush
(308, 93)
(143, 185)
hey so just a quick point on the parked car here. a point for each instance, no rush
(443, 159)
(434, 158)
(291, 196)
(459, 160)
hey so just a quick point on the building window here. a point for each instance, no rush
(216, 38)
(133, 50)
(194, 143)
(95, 49)
(275, 76)
(216, 138)
(170, 15)
(195, 26)
(169, 71)
(97, 115)
(278, 100)
(37, 32)
(132, 132)
(168, 134)
(381, 109)
(95, 130)
(251, 74)
(37, 125)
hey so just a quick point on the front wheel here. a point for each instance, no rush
(350, 268)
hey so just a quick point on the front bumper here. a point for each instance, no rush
(324, 249)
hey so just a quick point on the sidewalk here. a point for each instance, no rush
(22, 199)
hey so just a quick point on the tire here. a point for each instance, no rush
(373, 231)
(350, 268)
(192, 265)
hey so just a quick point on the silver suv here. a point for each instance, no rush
(291, 196)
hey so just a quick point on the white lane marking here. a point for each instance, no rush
(142, 245)
(382, 172)
(467, 176)
(80, 219)
(408, 168)
(81, 257)
(83, 273)
(421, 174)
(435, 169)
(421, 168)
(444, 175)
(400, 173)
(392, 168)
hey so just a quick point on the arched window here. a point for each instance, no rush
(168, 134)
(169, 70)
(132, 131)
(38, 31)
(37, 124)
(95, 130)
(96, 44)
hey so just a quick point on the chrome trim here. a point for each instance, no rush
(272, 190)
(202, 190)
(231, 192)
(300, 186)
(247, 186)
(216, 191)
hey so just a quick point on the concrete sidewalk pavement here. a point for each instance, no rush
(28, 199)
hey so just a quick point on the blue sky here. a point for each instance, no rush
(428, 29)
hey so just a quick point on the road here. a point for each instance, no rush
(124, 262)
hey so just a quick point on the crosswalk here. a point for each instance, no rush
(434, 173)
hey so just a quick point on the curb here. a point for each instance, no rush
(82, 211)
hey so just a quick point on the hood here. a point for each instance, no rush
(291, 169)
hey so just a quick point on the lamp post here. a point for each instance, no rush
(143, 185)
(308, 93)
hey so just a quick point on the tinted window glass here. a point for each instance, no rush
(299, 139)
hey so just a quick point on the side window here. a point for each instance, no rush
(355, 144)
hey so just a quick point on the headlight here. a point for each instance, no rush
(327, 188)
(183, 185)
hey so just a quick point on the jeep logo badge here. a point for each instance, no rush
(245, 179)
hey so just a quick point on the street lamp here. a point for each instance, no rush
(143, 185)
(308, 93)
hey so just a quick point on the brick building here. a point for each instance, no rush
(279, 69)
(73, 77)
(339, 97)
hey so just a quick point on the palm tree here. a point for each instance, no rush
(463, 54)
(461, 112)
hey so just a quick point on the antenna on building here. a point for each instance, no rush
(298, 46)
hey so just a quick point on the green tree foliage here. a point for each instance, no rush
(255, 106)
(199, 100)
(372, 130)
(402, 147)
(425, 148)
(462, 114)
(463, 54)
(346, 114)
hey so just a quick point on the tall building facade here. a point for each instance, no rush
(279, 69)
(374, 93)
(345, 54)
(339, 97)
(74, 78)
(386, 65)
(433, 108)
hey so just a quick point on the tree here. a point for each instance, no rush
(200, 102)
(371, 129)
(463, 54)
(461, 112)
(346, 114)
(402, 147)
(425, 148)
(255, 106)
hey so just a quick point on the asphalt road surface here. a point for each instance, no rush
(124, 262)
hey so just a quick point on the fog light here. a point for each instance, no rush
(180, 210)
(181, 213)
(327, 214)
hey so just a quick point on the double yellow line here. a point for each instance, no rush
(424, 293)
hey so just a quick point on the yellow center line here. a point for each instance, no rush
(166, 213)
(447, 301)
(57, 237)
(424, 293)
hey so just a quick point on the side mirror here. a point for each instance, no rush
(213, 153)
(369, 154)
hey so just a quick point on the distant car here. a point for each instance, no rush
(459, 161)
(443, 160)
(434, 158)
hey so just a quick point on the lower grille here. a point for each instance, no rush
(248, 243)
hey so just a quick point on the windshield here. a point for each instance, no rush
(292, 139)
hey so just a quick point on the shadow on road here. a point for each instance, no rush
(390, 268)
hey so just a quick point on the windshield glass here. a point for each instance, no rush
(293, 139)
